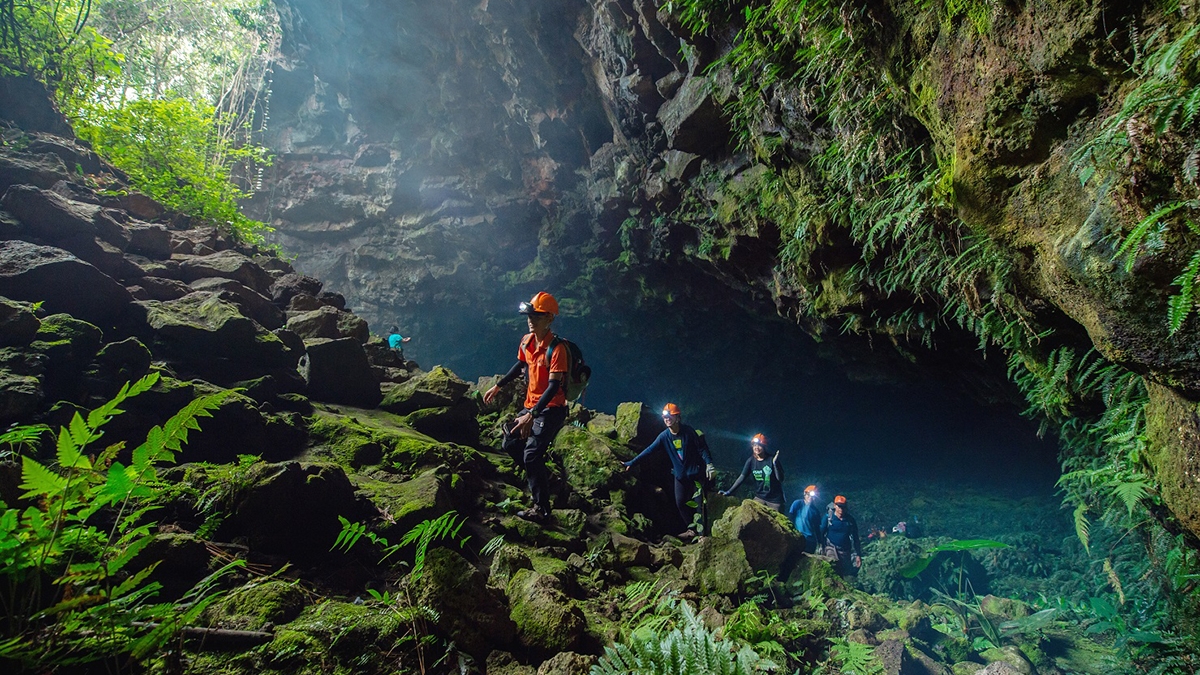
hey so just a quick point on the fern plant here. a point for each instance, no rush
(688, 649)
(854, 658)
(71, 594)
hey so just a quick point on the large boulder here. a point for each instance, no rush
(289, 286)
(747, 539)
(48, 215)
(40, 170)
(438, 388)
(60, 281)
(637, 425)
(149, 239)
(229, 265)
(455, 424)
(337, 371)
(292, 508)
(591, 464)
(327, 322)
(252, 303)
(18, 324)
(211, 334)
(547, 621)
(25, 101)
(468, 611)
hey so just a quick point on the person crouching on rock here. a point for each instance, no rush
(808, 518)
(690, 462)
(768, 480)
(528, 436)
(839, 531)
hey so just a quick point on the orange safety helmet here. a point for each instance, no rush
(839, 500)
(759, 439)
(671, 409)
(811, 489)
(542, 303)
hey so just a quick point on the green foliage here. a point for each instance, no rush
(416, 616)
(854, 657)
(172, 151)
(1154, 139)
(917, 566)
(100, 608)
(166, 91)
(688, 649)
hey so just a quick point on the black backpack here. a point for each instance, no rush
(578, 372)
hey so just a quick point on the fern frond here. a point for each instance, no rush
(1182, 304)
(1130, 493)
(1082, 526)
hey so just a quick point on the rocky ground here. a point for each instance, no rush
(101, 286)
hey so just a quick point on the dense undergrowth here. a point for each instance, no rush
(845, 165)
(171, 93)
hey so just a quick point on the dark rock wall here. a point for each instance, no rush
(438, 163)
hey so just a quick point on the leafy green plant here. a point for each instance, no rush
(414, 614)
(917, 566)
(854, 657)
(688, 649)
(71, 592)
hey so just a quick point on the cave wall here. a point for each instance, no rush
(456, 156)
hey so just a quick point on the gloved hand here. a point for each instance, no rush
(710, 471)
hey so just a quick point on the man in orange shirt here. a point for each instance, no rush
(545, 407)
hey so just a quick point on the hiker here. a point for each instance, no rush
(839, 531)
(808, 518)
(396, 341)
(527, 437)
(768, 479)
(690, 462)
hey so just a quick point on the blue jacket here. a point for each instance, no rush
(841, 533)
(688, 452)
(808, 518)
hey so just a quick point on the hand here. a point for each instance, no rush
(524, 425)
(723, 493)
(491, 394)
(406, 339)
(710, 471)
(857, 561)
(628, 467)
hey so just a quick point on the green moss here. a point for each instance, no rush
(257, 604)
(377, 437)
(547, 620)
(590, 461)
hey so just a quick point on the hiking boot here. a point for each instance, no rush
(534, 514)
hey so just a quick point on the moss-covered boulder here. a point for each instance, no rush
(636, 424)
(716, 565)
(292, 508)
(333, 632)
(204, 331)
(328, 322)
(337, 371)
(1173, 434)
(405, 503)
(455, 424)
(259, 604)
(567, 663)
(469, 612)
(769, 540)
(506, 562)
(1010, 655)
(591, 462)
(21, 394)
(18, 324)
(438, 388)
(64, 338)
(547, 621)
(365, 437)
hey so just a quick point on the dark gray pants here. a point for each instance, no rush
(531, 452)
